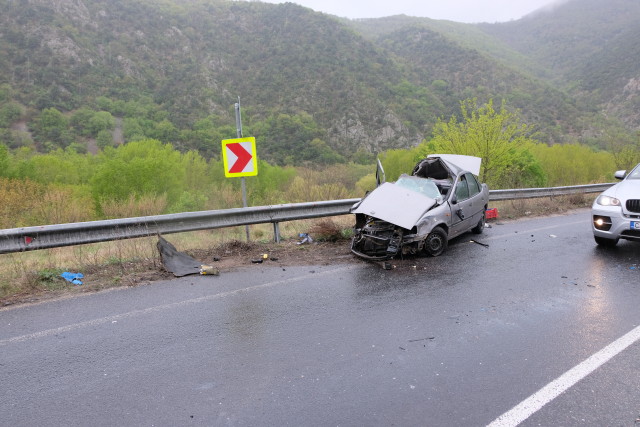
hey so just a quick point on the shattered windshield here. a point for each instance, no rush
(419, 185)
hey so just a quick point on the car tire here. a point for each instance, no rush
(436, 242)
(480, 226)
(603, 241)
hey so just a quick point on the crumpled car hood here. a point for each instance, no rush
(394, 204)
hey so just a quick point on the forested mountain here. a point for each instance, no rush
(588, 47)
(314, 88)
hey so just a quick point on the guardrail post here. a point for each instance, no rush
(276, 232)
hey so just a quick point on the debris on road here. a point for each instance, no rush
(305, 238)
(209, 270)
(423, 339)
(72, 277)
(479, 243)
(178, 263)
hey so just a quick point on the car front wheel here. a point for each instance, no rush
(436, 242)
(603, 241)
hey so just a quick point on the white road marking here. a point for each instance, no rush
(536, 401)
(136, 313)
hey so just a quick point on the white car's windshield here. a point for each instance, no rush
(419, 185)
(635, 173)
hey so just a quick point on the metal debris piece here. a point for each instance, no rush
(479, 243)
(423, 339)
(305, 238)
(178, 263)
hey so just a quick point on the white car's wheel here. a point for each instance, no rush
(603, 241)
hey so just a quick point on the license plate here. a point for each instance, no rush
(635, 225)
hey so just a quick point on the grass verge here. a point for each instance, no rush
(30, 276)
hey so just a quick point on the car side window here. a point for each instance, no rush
(462, 189)
(474, 187)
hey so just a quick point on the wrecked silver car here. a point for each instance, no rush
(420, 213)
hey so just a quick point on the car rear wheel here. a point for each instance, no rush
(480, 226)
(436, 242)
(603, 241)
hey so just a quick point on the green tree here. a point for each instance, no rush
(319, 152)
(80, 121)
(56, 167)
(286, 138)
(104, 103)
(497, 137)
(52, 126)
(165, 131)
(397, 162)
(132, 129)
(9, 113)
(625, 149)
(574, 164)
(104, 139)
(140, 168)
(102, 120)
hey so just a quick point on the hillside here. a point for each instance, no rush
(588, 47)
(314, 88)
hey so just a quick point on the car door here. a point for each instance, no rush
(467, 210)
(461, 207)
(477, 205)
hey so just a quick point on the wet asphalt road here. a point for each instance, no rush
(458, 340)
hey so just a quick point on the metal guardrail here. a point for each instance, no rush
(52, 236)
(59, 235)
(530, 193)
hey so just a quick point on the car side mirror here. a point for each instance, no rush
(454, 200)
(620, 174)
(380, 176)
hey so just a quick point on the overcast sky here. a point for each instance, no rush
(469, 11)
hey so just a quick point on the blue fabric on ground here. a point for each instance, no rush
(73, 277)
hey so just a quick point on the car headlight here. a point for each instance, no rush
(607, 201)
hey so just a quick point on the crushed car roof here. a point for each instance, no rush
(460, 162)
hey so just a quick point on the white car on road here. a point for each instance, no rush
(616, 212)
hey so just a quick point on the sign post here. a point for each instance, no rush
(240, 159)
